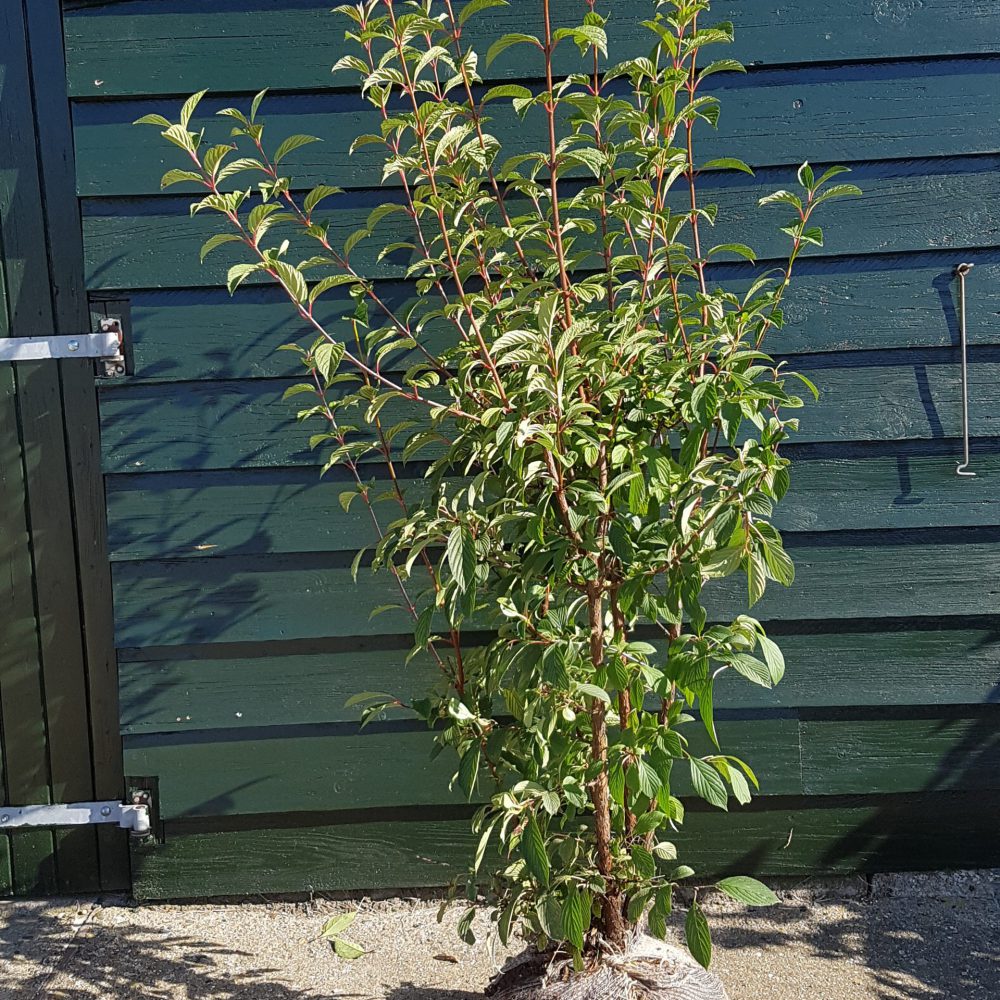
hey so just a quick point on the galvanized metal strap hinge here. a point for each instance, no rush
(106, 346)
(131, 816)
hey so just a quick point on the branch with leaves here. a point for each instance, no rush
(600, 423)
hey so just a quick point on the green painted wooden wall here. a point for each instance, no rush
(239, 631)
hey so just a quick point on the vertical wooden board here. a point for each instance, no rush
(39, 401)
(6, 880)
(22, 706)
(64, 236)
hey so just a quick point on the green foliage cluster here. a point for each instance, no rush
(602, 431)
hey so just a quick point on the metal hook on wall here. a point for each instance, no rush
(962, 270)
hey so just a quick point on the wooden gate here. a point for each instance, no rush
(239, 629)
(58, 687)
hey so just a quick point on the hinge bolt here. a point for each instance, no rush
(106, 811)
(4, 818)
(73, 345)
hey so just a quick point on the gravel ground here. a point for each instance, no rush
(899, 938)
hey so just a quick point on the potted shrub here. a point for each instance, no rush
(601, 431)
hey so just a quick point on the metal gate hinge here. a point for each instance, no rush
(132, 816)
(105, 346)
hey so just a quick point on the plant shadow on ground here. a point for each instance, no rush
(411, 991)
(924, 942)
(42, 957)
(924, 945)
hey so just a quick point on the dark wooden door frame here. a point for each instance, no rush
(58, 688)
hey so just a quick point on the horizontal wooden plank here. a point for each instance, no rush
(326, 773)
(255, 599)
(878, 303)
(864, 833)
(825, 669)
(828, 114)
(924, 205)
(227, 46)
(927, 754)
(196, 515)
(302, 860)
(225, 425)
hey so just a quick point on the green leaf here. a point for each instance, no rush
(347, 949)
(217, 241)
(708, 784)
(747, 890)
(465, 931)
(473, 7)
(483, 843)
(722, 562)
(292, 143)
(363, 696)
(741, 789)
(533, 852)
(756, 578)
(327, 358)
(593, 691)
(317, 194)
(586, 36)
(779, 564)
(832, 172)
(238, 273)
(504, 42)
(773, 657)
(180, 177)
(740, 249)
(354, 239)
(648, 821)
(728, 163)
(331, 281)
(255, 104)
(781, 197)
(643, 861)
(338, 924)
(506, 921)
(648, 779)
(573, 916)
(153, 120)
(422, 629)
(722, 66)
(291, 277)
(188, 108)
(750, 667)
(513, 90)
(698, 936)
(840, 191)
(706, 706)
(468, 770)
(548, 909)
(461, 553)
